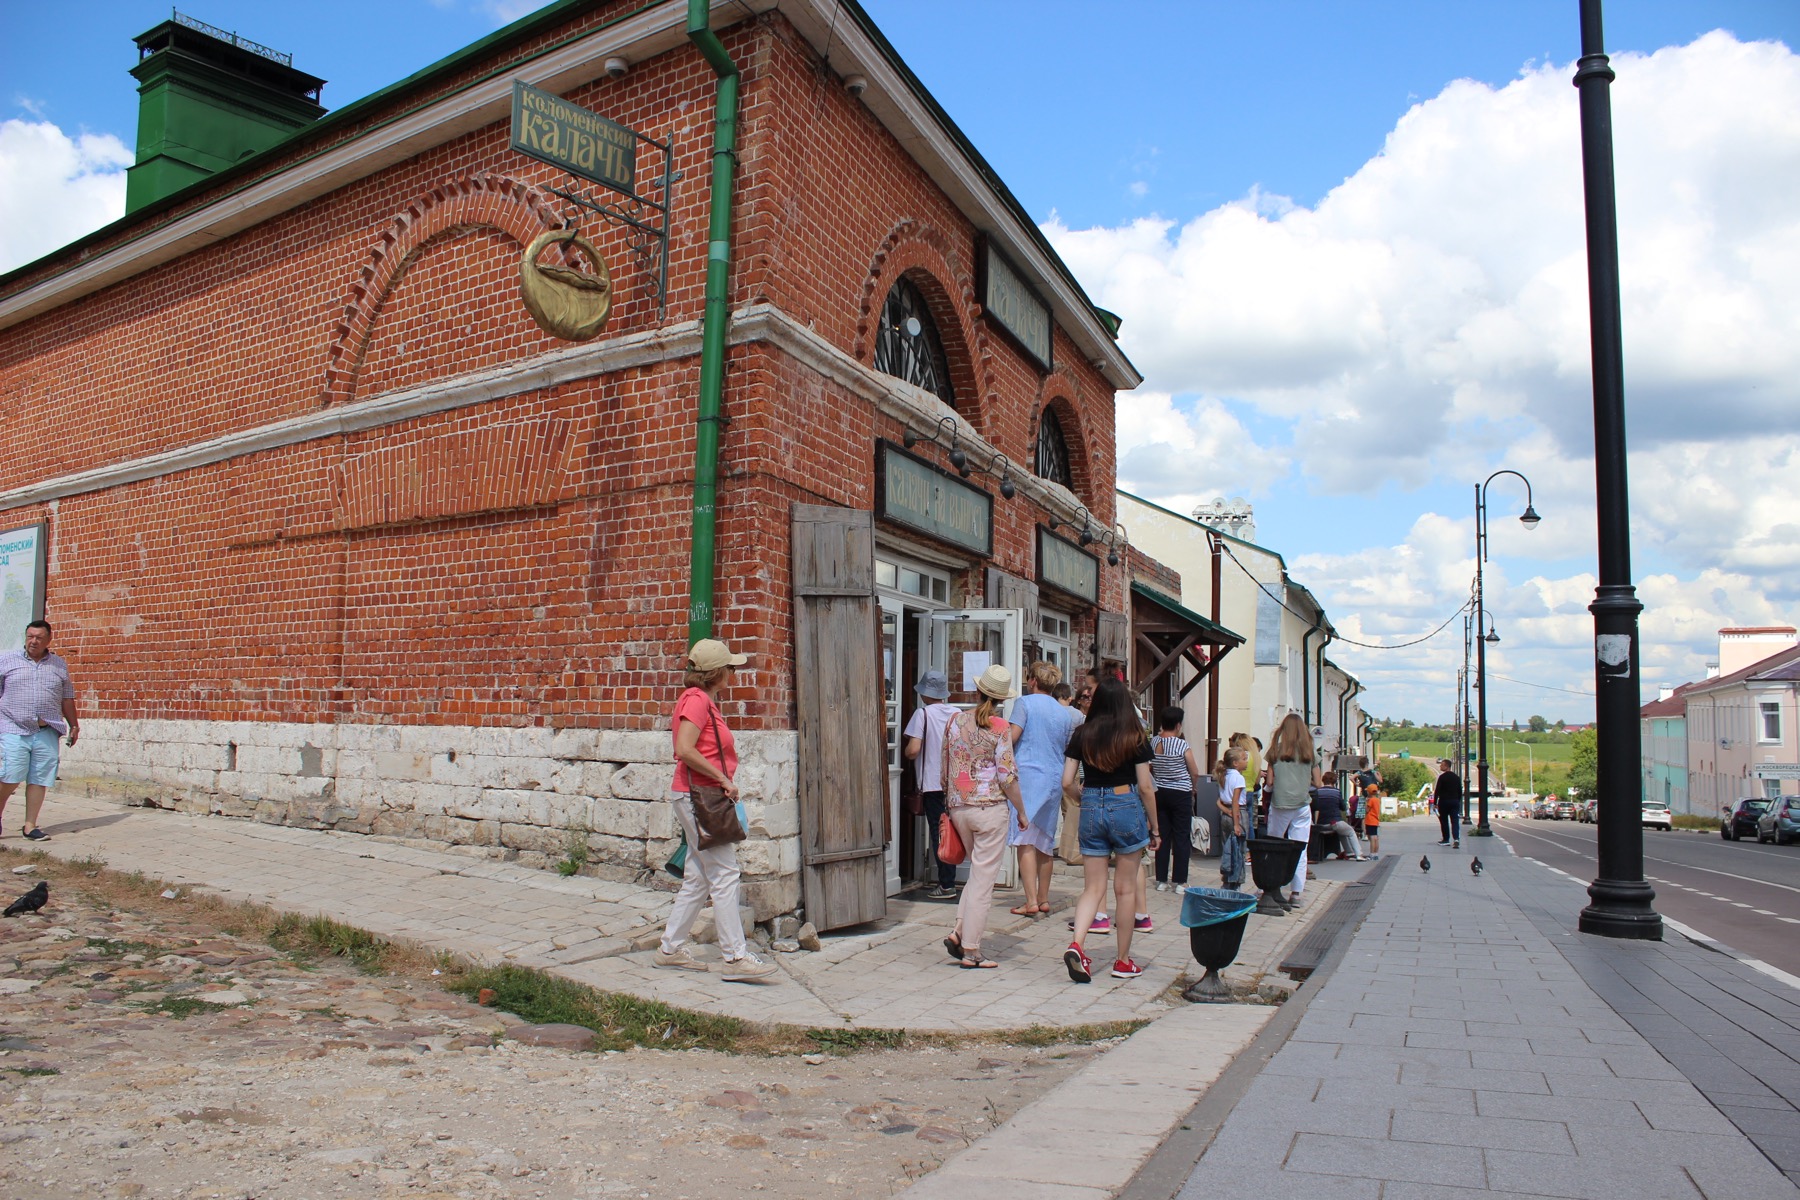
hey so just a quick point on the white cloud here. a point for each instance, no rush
(1432, 311)
(1160, 440)
(54, 188)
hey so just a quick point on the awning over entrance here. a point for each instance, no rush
(1166, 633)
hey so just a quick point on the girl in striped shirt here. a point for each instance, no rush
(1175, 772)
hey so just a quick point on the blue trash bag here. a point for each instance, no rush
(1208, 906)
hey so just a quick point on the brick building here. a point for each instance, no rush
(337, 535)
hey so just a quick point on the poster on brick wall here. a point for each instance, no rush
(21, 582)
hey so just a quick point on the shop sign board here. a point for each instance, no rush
(1012, 304)
(21, 582)
(1067, 567)
(1776, 771)
(551, 130)
(910, 491)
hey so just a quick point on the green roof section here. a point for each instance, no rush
(1177, 608)
(254, 169)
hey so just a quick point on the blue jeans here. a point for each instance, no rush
(1112, 822)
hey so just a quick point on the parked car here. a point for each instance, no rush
(1543, 810)
(1657, 816)
(1565, 810)
(1780, 822)
(1739, 819)
(1585, 811)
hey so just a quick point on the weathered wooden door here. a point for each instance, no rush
(837, 683)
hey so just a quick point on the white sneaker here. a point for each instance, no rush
(747, 969)
(680, 960)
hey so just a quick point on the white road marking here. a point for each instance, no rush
(1565, 846)
(1763, 911)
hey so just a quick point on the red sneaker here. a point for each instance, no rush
(1126, 969)
(1081, 967)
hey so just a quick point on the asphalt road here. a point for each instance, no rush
(1739, 893)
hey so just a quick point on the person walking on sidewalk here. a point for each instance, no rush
(1372, 817)
(981, 786)
(37, 709)
(1176, 773)
(925, 750)
(1292, 773)
(1040, 733)
(1110, 758)
(1448, 796)
(706, 753)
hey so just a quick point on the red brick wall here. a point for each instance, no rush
(522, 561)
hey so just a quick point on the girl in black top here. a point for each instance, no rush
(1109, 760)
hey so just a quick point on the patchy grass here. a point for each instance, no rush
(322, 937)
(1689, 821)
(575, 852)
(179, 1007)
(621, 1021)
(847, 1041)
(119, 948)
(1048, 1035)
(29, 1072)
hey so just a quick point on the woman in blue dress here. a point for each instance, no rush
(1041, 726)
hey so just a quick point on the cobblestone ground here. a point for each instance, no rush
(144, 1052)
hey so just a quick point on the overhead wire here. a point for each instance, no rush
(1339, 637)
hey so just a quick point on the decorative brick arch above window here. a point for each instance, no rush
(1074, 432)
(516, 209)
(926, 258)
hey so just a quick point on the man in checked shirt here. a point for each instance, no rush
(37, 707)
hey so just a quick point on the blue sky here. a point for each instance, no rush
(1199, 161)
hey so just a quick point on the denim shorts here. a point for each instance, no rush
(29, 757)
(1112, 823)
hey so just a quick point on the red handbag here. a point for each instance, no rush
(951, 850)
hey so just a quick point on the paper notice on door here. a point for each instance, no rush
(974, 662)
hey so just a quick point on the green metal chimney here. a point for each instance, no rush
(207, 99)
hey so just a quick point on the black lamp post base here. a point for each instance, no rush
(1621, 908)
(1481, 831)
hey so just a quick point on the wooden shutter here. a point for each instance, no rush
(837, 684)
(1009, 591)
(1113, 632)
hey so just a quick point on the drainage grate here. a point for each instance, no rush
(1344, 912)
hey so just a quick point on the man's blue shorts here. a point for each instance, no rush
(29, 757)
(1112, 822)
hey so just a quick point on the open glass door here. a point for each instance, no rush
(964, 643)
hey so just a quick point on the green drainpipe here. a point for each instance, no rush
(713, 326)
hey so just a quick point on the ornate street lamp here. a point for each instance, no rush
(1485, 634)
(1620, 897)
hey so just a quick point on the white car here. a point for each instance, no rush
(1656, 815)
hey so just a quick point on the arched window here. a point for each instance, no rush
(1053, 450)
(908, 346)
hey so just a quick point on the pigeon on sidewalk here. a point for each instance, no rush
(31, 901)
(1424, 862)
(1475, 866)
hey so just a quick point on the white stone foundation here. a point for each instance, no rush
(524, 795)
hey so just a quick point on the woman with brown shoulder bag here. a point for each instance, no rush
(706, 810)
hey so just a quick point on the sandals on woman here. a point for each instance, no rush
(953, 947)
(1027, 910)
(973, 961)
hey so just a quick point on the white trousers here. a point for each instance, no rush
(1295, 824)
(710, 874)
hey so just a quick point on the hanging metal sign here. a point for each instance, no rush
(551, 130)
(1067, 567)
(912, 492)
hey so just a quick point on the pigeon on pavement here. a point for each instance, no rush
(1424, 863)
(1475, 866)
(31, 901)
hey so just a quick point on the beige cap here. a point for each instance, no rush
(709, 654)
(996, 682)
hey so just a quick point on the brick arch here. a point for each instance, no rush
(926, 256)
(498, 201)
(1057, 396)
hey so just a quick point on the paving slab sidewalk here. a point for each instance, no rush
(891, 975)
(1455, 1050)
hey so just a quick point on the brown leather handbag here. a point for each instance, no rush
(715, 813)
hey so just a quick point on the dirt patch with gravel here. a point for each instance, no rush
(147, 1050)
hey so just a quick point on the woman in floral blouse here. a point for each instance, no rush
(980, 782)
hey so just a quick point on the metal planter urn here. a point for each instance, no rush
(1215, 920)
(1272, 865)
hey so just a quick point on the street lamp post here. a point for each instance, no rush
(1462, 740)
(1620, 897)
(1483, 634)
(1530, 767)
